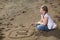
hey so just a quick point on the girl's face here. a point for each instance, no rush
(42, 11)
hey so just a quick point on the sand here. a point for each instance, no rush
(16, 17)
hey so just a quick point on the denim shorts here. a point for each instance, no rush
(42, 27)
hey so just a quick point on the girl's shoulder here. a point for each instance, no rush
(46, 15)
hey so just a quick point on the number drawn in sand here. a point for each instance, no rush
(20, 33)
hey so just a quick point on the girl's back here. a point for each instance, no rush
(51, 24)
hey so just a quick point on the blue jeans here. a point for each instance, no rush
(42, 27)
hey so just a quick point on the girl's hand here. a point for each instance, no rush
(39, 22)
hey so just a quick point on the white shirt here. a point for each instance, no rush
(51, 24)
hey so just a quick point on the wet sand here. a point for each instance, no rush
(16, 17)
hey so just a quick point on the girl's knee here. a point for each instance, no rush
(39, 27)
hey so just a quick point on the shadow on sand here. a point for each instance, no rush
(55, 33)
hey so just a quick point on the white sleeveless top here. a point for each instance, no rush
(51, 24)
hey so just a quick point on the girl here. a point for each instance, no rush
(46, 23)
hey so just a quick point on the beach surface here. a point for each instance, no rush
(16, 17)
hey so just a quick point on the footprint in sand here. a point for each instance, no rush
(2, 28)
(58, 17)
(1, 8)
(0, 24)
(22, 25)
(59, 4)
(7, 30)
(11, 19)
(51, 3)
(1, 18)
(54, 6)
(2, 35)
(23, 11)
(58, 12)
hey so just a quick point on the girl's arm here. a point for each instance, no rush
(41, 20)
(45, 20)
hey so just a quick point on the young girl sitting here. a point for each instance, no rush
(46, 23)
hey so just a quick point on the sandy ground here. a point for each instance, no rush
(16, 17)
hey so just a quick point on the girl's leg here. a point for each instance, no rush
(39, 27)
(46, 28)
(42, 27)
